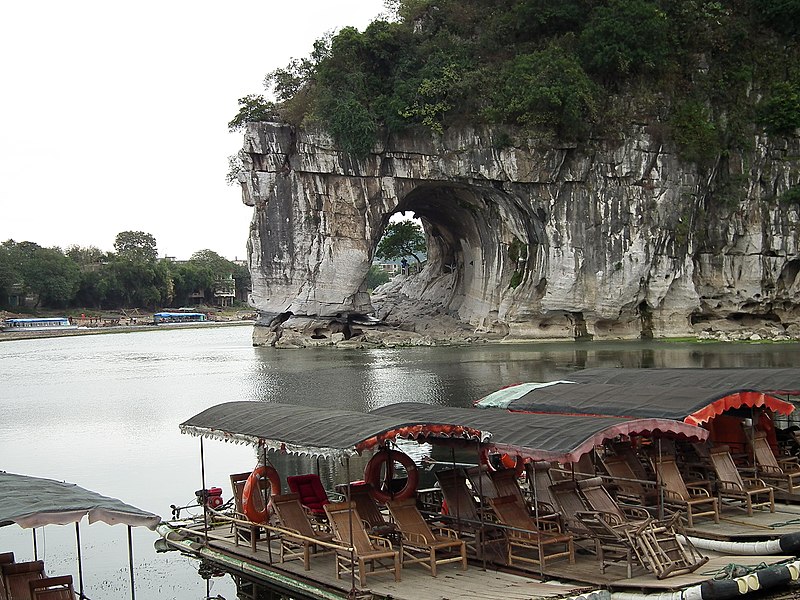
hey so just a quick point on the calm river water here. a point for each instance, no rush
(103, 412)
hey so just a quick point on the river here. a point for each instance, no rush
(103, 412)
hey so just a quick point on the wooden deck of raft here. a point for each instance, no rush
(493, 582)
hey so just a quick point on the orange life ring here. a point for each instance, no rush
(372, 474)
(509, 462)
(252, 489)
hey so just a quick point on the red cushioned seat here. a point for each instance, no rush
(312, 494)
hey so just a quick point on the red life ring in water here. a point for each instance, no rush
(517, 463)
(252, 489)
(372, 474)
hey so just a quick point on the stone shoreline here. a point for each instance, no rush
(30, 335)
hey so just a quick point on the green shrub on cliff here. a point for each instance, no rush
(695, 68)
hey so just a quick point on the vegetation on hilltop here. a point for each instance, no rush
(706, 74)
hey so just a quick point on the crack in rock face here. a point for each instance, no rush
(524, 241)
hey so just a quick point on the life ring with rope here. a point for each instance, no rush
(252, 490)
(372, 475)
(506, 460)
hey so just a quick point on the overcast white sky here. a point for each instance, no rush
(113, 115)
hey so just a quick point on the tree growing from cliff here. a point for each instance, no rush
(402, 239)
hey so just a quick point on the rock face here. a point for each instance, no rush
(526, 240)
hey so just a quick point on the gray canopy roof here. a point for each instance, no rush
(338, 433)
(314, 431)
(680, 402)
(545, 436)
(34, 502)
(783, 381)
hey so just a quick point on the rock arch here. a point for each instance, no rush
(531, 240)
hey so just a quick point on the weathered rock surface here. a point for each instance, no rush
(525, 240)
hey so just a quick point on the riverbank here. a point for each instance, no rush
(26, 335)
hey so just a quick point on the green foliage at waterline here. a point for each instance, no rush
(707, 75)
(132, 276)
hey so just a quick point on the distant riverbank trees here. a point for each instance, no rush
(130, 276)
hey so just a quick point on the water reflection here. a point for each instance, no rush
(103, 412)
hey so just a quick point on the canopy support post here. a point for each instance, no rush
(350, 524)
(203, 483)
(35, 546)
(80, 558)
(130, 562)
(660, 484)
(482, 507)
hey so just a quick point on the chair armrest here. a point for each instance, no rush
(752, 482)
(414, 538)
(381, 541)
(697, 490)
(635, 512)
(771, 470)
(730, 485)
(445, 532)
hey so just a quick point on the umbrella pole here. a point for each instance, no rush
(80, 559)
(130, 562)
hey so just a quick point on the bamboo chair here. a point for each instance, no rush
(465, 515)
(524, 535)
(349, 530)
(52, 588)
(629, 482)
(6, 558)
(612, 543)
(569, 503)
(369, 510)
(598, 499)
(247, 533)
(662, 551)
(421, 542)
(785, 473)
(298, 537)
(695, 499)
(17, 576)
(751, 492)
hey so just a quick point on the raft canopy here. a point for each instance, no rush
(549, 437)
(318, 432)
(35, 502)
(340, 433)
(695, 405)
(782, 381)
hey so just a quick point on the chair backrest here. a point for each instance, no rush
(505, 484)
(723, 464)
(52, 588)
(569, 502)
(237, 486)
(408, 519)
(348, 527)
(292, 515)
(366, 505)
(540, 481)
(627, 453)
(598, 498)
(457, 495)
(309, 488)
(481, 481)
(762, 451)
(17, 576)
(670, 476)
(509, 511)
(621, 470)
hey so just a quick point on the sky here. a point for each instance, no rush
(113, 115)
